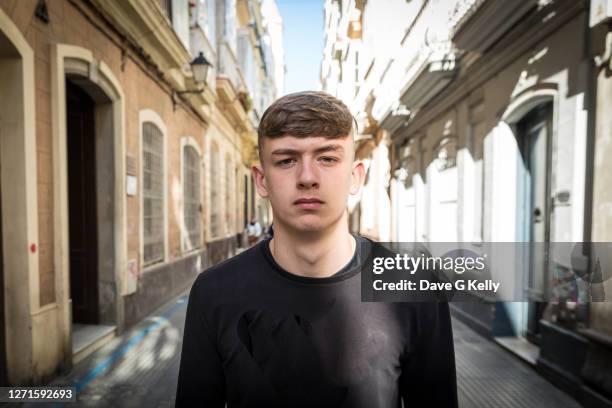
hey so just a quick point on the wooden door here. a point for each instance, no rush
(82, 205)
(535, 134)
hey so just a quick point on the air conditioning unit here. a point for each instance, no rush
(601, 11)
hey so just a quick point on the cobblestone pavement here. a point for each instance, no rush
(140, 367)
(137, 369)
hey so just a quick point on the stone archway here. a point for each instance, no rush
(530, 121)
(75, 68)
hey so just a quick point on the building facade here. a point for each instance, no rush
(493, 117)
(122, 177)
(599, 331)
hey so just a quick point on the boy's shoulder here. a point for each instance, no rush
(230, 272)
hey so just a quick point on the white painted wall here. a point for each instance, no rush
(180, 20)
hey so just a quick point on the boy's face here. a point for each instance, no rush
(308, 180)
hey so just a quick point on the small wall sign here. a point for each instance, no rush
(132, 185)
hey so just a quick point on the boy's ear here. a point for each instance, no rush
(260, 180)
(357, 177)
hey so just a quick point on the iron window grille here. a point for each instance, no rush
(153, 194)
(191, 198)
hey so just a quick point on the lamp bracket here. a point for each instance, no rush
(175, 95)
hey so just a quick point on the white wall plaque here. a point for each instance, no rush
(132, 185)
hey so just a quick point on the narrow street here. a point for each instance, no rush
(133, 155)
(139, 369)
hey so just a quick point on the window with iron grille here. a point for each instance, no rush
(214, 191)
(238, 223)
(191, 198)
(152, 193)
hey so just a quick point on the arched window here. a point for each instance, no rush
(214, 190)
(152, 193)
(191, 198)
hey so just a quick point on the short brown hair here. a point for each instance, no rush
(303, 114)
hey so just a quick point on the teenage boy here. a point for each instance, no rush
(282, 324)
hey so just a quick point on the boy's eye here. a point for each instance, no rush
(285, 162)
(328, 159)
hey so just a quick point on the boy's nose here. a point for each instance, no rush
(307, 176)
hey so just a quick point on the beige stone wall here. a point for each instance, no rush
(39, 37)
(142, 89)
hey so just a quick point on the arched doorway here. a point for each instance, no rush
(533, 134)
(91, 196)
(529, 121)
(90, 202)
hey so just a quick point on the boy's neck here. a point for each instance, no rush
(315, 255)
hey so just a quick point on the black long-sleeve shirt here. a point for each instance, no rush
(259, 336)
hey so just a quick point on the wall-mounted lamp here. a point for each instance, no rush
(199, 69)
(41, 11)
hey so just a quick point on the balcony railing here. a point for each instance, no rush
(432, 73)
(461, 12)
(477, 24)
(228, 66)
(426, 64)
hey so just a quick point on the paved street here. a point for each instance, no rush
(139, 369)
(489, 376)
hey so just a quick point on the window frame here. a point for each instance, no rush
(229, 194)
(150, 116)
(189, 142)
(214, 204)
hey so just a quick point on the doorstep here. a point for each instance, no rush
(519, 346)
(87, 338)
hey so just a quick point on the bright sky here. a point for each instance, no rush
(303, 42)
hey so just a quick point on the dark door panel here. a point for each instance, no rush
(82, 205)
(534, 143)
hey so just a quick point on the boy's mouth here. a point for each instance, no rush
(308, 203)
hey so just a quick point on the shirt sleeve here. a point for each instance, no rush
(428, 375)
(201, 381)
